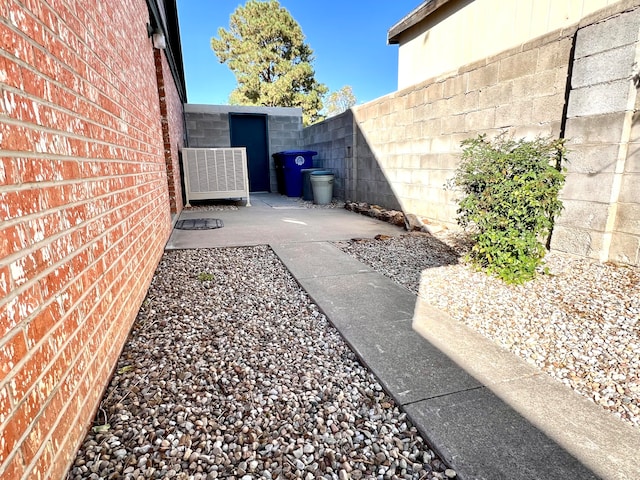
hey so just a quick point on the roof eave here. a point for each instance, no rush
(413, 18)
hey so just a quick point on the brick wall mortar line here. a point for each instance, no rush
(75, 93)
(130, 107)
(78, 136)
(16, 154)
(17, 187)
(86, 291)
(91, 200)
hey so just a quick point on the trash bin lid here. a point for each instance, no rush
(322, 172)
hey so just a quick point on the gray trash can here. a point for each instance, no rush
(322, 185)
(307, 192)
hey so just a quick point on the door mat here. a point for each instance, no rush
(199, 224)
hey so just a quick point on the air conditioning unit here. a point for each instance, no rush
(215, 173)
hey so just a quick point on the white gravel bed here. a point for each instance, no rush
(580, 323)
(309, 204)
(230, 371)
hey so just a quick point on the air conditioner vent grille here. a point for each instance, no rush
(214, 173)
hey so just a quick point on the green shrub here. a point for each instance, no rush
(510, 200)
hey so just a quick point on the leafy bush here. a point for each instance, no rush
(510, 200)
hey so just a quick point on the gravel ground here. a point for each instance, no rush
(579, 324)
(309, 204)
(213, 206)
(231, 371)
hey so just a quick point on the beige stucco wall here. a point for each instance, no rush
(463, 32)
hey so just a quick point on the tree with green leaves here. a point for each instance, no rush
(265, 49)
(340, 101)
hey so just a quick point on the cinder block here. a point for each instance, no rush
(416, 98)
(404, 117)
(596, 129)
(584, 214)
(518, 65)
(421, 177)
(607, 35)
(454, 105)
(516, 113)
(608, 66)
(628, 218)
(630, 188)
(625, 248)
(554, 55)
(591, 159)
(471, 100)
(599, 99)
(431, 128)
(577, 241)
(435, 92)
(421, 113)
(587, 187)
(384, 108)
(633, 158)
(480, 120)
(483, 77)
(441, 144)
(496, 95)
(532, 131)
(456, 85)
(453, 124)
(413, 130)
(541, 84)
(547, 109)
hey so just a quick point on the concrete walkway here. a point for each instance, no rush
(487, 413)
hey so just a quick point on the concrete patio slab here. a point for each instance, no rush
(262, 223)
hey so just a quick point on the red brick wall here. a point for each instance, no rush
(172, 129)
(84, 213)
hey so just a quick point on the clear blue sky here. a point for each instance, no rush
(348, 38)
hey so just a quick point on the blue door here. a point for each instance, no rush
(250, 131)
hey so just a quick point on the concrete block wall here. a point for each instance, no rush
(601, 219)
(84, 214)
(285, 133)
(208, 127)
(407, 144)
(415, 134)
(207, 130)
(335, 142)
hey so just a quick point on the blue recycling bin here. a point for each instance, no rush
(289, 165)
